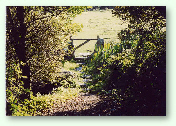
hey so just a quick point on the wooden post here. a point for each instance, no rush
(98, 37)
(71, 40)
(100, 43)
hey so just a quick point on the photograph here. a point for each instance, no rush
(85, 61)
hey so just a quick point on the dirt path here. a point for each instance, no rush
(86, 105)
(95, 23)
(74, 106)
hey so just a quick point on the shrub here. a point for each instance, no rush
(137, 66)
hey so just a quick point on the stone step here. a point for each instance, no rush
(82, 85)
(87, 80)
(78, 68)
(86, 76)
(81, 63)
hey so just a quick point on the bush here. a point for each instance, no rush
(135, 69)
(35, 39)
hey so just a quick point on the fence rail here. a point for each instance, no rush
(99, 42)
(83, 39)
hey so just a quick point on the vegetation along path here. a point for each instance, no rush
(94, 23)
(118, 67)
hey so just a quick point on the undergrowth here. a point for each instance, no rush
(37, 105)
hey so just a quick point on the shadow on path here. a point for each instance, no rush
(105, 107)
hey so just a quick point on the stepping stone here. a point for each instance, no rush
(78, 68)
(81, 63)
(87, 80)
(82, 85)
(86, 76)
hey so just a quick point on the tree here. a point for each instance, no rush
(35, 39)
(16, 31)
(134, 71)
(49, 29)
(147, 35)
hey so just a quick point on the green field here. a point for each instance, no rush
(95, 23)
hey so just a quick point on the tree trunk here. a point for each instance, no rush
(17, 39)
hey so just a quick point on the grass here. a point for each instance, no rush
(70, 66)
(59, 94)
(97, 23)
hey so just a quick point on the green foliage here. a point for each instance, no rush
(40, 104)
(47, 37)
(74, 10)
(99, 67)
(47, 32)
(146, 32)
(134, 69)
(15, 87)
